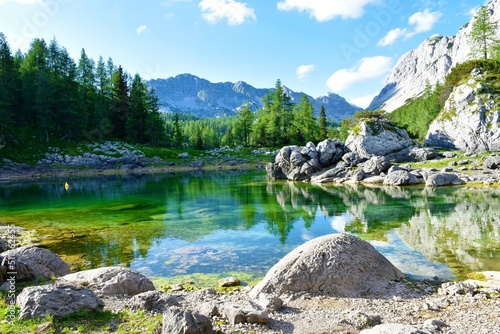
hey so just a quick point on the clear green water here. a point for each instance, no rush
(220, 223)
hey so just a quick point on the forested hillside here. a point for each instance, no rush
(49, 99)
(45, 94)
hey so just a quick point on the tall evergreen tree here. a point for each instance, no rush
(119, 104)
(88, 91)
(8, 91)
(36, 88)
(138, 111)
(323, 132)
(483, 35)
(177, 132)
(155, 130)
(244, 123)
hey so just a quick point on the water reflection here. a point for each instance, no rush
(175, 224)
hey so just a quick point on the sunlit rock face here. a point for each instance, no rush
(464, 234)
(427, 64)
(469, 120)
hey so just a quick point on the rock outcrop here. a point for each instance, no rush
(111, 281)
(336, 265)
(58, 300)
(32, 263)
(428, 64)
(469, 121)
(374, 138)
(299, 164)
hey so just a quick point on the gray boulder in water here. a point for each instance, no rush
(336, 265)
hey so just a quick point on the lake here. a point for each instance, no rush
(204, 225)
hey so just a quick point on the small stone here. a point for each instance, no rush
(229, 281)
(177, 287)
(435, 324)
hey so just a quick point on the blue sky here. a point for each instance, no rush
(313, 46)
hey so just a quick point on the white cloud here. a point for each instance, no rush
(424, 21)
(304, 70)
(22, 2)
(367, 68)
(419, 22)
(141, 29)
(323, 10)
(392, 36)
(217, 10)
(363, 101)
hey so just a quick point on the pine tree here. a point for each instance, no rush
(119, 104)
(177, 132)
(136, 118)
(244, 123)
(88, 91)
(155, 129)
(483, 33)
(323, 132)
(8, 90)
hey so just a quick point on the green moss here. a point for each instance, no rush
(448, 115)
(477, 276)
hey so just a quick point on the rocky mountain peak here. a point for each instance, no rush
(429, 63)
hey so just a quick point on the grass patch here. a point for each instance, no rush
(98, 322)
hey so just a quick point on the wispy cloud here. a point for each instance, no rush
(141, 29)
(392, 36)
(366, 69)
(322, 10)
(234, 12)
(304, 70)
(417, 23)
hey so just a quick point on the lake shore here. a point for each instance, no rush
(425, 306)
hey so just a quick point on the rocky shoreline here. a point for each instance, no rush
(332, 284)
(111, 158)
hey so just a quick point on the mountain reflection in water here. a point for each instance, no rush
(233, 222)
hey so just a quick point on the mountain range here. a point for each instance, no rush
(190, 94)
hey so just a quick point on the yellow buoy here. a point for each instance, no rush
(66, 186)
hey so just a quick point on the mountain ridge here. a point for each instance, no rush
(191, 94)
(429, 63)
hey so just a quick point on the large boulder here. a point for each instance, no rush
(369, 139)
(492, 162)
(443, 179)
(376, 165)
(337, 265)
(330, 152)
(470, 120)
(401, 177)
(32, 263)
(111, 281)
(179, 321)
(58, 300)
